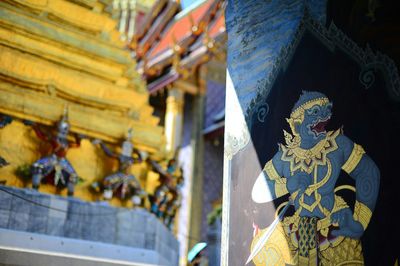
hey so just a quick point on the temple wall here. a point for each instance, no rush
(73, 218)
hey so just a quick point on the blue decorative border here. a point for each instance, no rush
(333, 38)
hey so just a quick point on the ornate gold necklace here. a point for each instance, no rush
(306, 159)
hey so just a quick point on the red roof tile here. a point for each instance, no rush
(182, 28)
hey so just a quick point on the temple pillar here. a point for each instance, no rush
(174, 120)
(197, 159)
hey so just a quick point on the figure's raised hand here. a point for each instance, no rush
(348, 227)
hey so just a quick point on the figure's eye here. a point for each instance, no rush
(314, 110)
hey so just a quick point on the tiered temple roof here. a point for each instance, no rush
(58, 53)
(170, 44)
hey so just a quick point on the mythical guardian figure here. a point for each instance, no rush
(162, 195)
(174, 203)
(55, 168)
(121, 183)
(323, 229)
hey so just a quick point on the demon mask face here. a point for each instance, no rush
(310, 115)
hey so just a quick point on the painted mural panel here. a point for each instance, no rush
(314, 181)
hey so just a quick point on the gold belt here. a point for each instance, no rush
(322, 224)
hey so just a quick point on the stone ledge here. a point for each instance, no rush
(91, 221)
(24, 248)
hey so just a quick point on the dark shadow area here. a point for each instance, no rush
(375, 22)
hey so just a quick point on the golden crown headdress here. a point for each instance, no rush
(299, 111)
(297, 115)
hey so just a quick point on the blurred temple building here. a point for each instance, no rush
(111, 130)
(181, 55)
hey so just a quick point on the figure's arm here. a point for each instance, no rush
(139, 158)
(366, 174)
(158, 168)
(107, 150)
(39, 133)
(270, 184)
(77, 142)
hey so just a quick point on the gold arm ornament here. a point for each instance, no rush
(354, 158)
(280, 187)
(362, 214)
(280, 182)
(271, 172)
